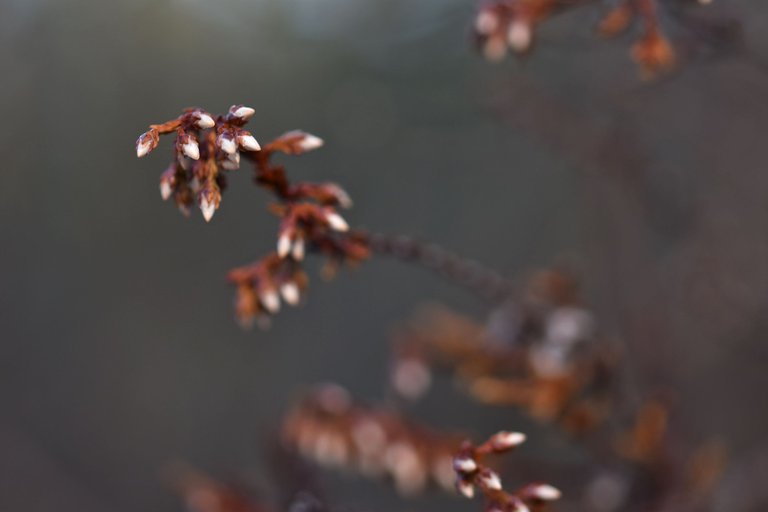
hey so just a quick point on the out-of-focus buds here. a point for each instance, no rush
(146, 142)
(339, 194)
(542, 492)
(270, 299)
(464, 464)
(298, 249)
(247, 141)
(465, 488)
(520, 35)
(284, 245)
(490, 479)
(296, 142)
(290, 292)
(503, 441)
(486, 22)
(517, 505)
(231, 162)
(411, 378)
(336, 221)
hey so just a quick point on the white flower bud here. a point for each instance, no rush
(310, 142)
(231, 162)
(466, 488)
(270, 300)
(464, 464)
(545, 492)
(226, 144)
(491, 480)
(298, 249)
(191, 149)
(208, 209)
(336, 221)
(290, 292)
(283, 245)
(243, 113)
(505, 440)
(204, 121)
(165, 190)
(519, 506)
(144, 145)
(248, 142)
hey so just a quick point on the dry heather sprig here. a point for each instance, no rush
(206, 149)
(472, 474)
(501, 25)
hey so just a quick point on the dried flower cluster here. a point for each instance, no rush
(207, 148)
(510, 24)
(329, 428)
(540, 353)
(472, 474)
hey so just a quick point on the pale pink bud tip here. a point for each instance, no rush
(205, 121)
(337, 222)
(310, 142)
(283, 246)
(249, 143)
(504, 440)
(208, 208)
(465, 488)
(491, 480)
(271, 301)
(520, 36)
(244, 113)
(290, 292)
(165, 190)
(191, 150)
(546, 492)
(298, 249)
(464, 464)
(519, 506)
(486, 22)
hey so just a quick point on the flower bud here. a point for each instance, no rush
(544, 492)
(284, 245)
(204, 120)
(490, 480)
(248, 142)
(226, 143)
(465, 488)
(190, 148)
(464, 464)
(503, 440)
(336, 221)
(241, 112)
(271, 300)
(310, 142)
(290, 292)
(145, 143)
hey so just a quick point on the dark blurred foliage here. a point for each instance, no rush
(119, 352)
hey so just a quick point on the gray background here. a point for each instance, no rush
(118, 352)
